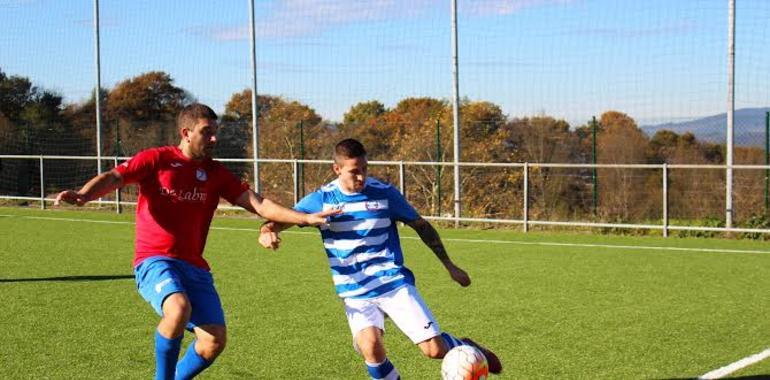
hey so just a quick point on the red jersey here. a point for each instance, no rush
(177, 199)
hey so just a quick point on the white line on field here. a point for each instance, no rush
(730, 368)
(459, 240)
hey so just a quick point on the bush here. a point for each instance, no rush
(756, 221)
(707, 222)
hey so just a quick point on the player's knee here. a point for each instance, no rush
(213, 343)
(177, 309)
(367, 346)
(371, 348)
(210, 349)
(433, 349)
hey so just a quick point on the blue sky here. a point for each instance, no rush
(655, 60)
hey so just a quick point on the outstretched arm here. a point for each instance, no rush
(93, 189)
(430, 237)
(270, 210)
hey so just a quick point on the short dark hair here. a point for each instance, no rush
(190, 115)
(349, 148)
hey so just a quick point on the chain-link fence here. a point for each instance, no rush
(542, 82)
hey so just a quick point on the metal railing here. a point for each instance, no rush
(525, 221)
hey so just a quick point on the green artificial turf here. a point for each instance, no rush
(550, 304)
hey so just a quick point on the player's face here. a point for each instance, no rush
(351, 173)
(202, 138)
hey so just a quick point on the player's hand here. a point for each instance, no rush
(269, 240)
(69, 196)
(459, 275)
(321, 218)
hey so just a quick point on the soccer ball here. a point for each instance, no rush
(464, 363)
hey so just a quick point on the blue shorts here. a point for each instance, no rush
(160, 277)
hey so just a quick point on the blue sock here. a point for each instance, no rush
(383, 371)
(191, 364)
(450, 341)
(166, 355)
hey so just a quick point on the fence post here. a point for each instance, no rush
(730, 136)
(594, 181)
(665, 199)
(295, 165)
(456, 115)
(401, 184)
(254, 104)
(526, 197)
(42, 185)
(117, 191)
(767, 162)
(98, 90)
(301, 176)
(438, 168)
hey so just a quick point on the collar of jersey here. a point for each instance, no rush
(339, 187)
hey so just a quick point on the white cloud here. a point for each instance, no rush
(297, 18)
(14, 3)
(506, 7)
(660, 30)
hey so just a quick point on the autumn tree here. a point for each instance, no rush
(487, 192)
(32, 114)
(692, 193)
(145, 107)
(280, 123)
(32, 123)
(553, 192)
(16, 93)
(625, 193)
(363, 113)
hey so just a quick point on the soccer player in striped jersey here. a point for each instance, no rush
(367, 263)
(179, 190)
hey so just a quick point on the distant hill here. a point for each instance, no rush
(749, 127)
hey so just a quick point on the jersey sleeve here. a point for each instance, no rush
(400, 208)
(139, 166)
(310, 204)
(231, 187)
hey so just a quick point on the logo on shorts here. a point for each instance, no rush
(176, 164)
(161, 284)
(428, 325)
(200, 174)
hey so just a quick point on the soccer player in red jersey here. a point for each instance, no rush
(179, 190)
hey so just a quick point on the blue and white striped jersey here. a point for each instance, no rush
(362, 243)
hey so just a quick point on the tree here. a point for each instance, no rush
(145, 107)
(31, 123)
(238, 108)
(363, 113)
(279, 137)
(543, 139)
(662, 145)
(15, 93)
(150, 96)
(479, 120)
(624, 193)
(23, 103)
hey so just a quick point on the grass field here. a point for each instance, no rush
(572, 306)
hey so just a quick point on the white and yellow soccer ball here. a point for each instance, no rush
(464, 363)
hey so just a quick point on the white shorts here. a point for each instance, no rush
(405, 308)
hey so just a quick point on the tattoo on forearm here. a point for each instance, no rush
(430, 237)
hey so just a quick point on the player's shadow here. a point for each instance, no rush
(69, 278)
